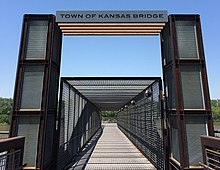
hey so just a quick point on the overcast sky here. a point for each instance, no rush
(107, 55)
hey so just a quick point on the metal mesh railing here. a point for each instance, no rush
(141, 121)
(10, 160)
(110, 93)
(79, 120)
(211, 152)
(11, 153)
(213, 158)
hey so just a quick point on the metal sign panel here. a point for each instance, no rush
(111, 16)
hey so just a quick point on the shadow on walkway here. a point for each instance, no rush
(79, 161)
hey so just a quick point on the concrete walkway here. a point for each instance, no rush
(114, 151)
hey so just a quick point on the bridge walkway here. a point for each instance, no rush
(115, 151)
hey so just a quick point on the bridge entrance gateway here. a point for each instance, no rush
(165, 129)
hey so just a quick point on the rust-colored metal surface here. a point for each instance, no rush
(175, 57)
(111, 28)
(211, 152)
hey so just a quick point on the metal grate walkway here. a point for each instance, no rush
(114, 151)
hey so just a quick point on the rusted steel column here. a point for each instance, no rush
(36, 89)
(188, 109)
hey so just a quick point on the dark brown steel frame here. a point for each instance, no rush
(209, 142)
(48, 63)
(180, 112)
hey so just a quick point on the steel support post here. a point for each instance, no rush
(36, 89)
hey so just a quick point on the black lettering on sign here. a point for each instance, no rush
(155, 16)
(135, 15)
(77, 15)
(138, 16)
(88, 15)
(123, 16)
(106, 16)
(67, 16)
(71, 15)
(111, 16)
(161, 16)
(149, 15)
(117, 15)
(128, 16)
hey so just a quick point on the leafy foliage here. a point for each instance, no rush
(5, 110)
(216, 109)
(108, 114)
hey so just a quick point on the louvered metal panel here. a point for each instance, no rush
(32, 87)
(191, 79)
(195, 127)
(110, 93)
(37, 40)
(186, 39)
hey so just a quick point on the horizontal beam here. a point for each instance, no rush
(111, 78)
(110, 94)
(111, 31)
(112, 28)
(108, 85)
(12, 143)
(74, 34)
(103, 89)
(109, 24)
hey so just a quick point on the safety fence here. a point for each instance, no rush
(4, 134)
(79, 119)
(11, 153)
(141, 121)
(211, 152)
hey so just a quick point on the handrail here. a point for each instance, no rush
(11, 152)
(4, 132)
(211, 151)
(11, 143)
(216, 131)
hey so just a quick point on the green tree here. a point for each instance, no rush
(108, 114)
(216, 110)
(5, 110)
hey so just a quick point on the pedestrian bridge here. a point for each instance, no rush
(139, 139)
(138, 104)
(166, 127)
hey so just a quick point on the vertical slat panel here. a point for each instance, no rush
(146, 129)
(80, 113)
(32, 87)
(37, 40)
